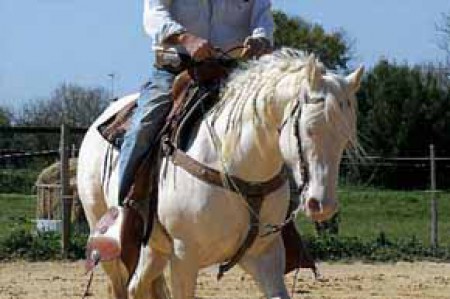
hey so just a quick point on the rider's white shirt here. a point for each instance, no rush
(224, 23)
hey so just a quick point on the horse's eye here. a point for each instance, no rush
(313, 100)
(318, 100)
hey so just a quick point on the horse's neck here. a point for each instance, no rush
(252, 152)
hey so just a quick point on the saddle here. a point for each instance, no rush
(194, 93)
(204, 77)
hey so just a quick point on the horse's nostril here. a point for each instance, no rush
(314, 205)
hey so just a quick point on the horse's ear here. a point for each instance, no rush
(354, 79)
(314, 72)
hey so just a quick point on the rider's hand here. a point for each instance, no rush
(198, 48)
(256, 47)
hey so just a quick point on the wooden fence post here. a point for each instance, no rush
(73, 152)
(65, 193)
(434, 207)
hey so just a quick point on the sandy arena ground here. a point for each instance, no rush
(22, 280)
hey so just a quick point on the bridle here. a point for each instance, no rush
(295, 113)
(302, 164)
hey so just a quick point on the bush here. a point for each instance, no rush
(39, 246)
(333, 248)
(17, 180)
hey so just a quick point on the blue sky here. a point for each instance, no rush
(46, 42)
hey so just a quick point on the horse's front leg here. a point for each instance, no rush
(150, 270)
(267, 269)
(117, 278)
(184, 271)
(149, 281)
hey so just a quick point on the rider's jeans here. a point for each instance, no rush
(152, 109)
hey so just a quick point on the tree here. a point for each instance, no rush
(402, 110)
(333, 49)
(69, 103)
(5, 117)
(5, 120)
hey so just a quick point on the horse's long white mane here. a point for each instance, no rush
(249, 92)
(256, 81)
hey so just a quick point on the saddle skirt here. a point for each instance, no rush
(114, 128)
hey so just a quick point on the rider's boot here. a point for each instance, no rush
(121, 231)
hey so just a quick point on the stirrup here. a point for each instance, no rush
(117, 235)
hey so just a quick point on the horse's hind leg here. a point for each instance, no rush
(267, 269)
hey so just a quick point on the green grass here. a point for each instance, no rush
(16, 210)
(365, 213)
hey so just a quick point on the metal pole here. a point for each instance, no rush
(434, 208)
(112, 77)
(65, 196)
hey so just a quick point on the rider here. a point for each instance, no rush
(196, 28)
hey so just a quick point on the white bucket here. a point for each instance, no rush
(46, 225)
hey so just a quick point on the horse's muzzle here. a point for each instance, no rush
(320, 211)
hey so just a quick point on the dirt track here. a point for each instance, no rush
(419, 280)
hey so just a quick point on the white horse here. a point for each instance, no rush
(198, 224)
